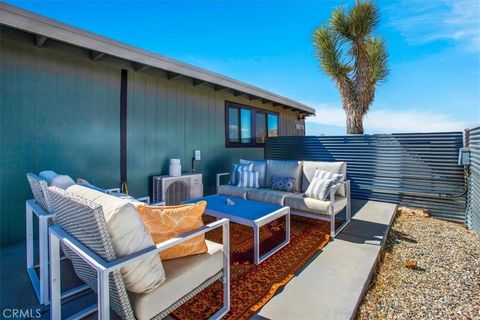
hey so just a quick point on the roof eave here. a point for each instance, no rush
(46, 27)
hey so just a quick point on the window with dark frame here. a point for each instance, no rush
(247, 126)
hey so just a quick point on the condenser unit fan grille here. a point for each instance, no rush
(177, 192)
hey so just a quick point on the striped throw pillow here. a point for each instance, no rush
(319, 188)
(323, 174)
(236, 169)
(248, 179)
(321, 184)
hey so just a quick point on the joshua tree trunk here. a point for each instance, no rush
(353, 57)
(354, 122)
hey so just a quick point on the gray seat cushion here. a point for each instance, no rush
(309, 168)
(183, 275)
(284, 169)
(299, 202)
(233, 191)
(268, 196)
(261, 167)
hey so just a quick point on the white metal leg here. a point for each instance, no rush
(103, 295)
(43, 256)
(29, 242)
(256, 244)
(226, 266)
(349, 204)
(348, 213)
(287, 236)
(30, 259)
(256, 239)
(55, 285)
(226, 274)
(39, 282)
(332, 221)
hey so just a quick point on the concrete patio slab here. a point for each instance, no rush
(332, 284)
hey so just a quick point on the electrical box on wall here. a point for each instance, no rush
(197, 155)
(464, 157)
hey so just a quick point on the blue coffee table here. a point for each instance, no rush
(249, 213)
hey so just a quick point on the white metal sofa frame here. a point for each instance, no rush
(87, 242)
(41, 208)
(330, 217)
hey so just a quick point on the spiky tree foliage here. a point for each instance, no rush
(353, 57)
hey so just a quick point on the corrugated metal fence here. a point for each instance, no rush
(411, 169)
(472, 139)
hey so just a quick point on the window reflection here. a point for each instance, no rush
(246, 125)
(233, 125)
(261, 127)
(272, 125)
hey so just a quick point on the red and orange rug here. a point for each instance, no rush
(253, 286)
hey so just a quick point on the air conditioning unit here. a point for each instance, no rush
(174, 190)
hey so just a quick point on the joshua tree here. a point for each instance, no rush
(353, 57)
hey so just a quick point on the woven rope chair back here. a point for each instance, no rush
(39, 190)
(84, 220)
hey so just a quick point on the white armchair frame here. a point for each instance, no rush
(104, 268)
(331, 214)
(219, 175)
(145, 199)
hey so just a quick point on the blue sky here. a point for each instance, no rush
(434, 48)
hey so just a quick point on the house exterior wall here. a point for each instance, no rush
(60, 110)
(168, 119)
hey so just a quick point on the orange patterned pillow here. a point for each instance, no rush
(166, 222)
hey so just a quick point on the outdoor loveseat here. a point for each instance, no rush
(303, 173)
(117, 259)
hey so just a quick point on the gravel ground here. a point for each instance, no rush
(445, 284)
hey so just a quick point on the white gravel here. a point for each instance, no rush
(446, 283)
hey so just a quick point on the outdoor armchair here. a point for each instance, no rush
(80, 228)
(41, 208)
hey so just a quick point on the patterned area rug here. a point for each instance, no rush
(252, 286)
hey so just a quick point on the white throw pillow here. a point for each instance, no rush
(129, 235)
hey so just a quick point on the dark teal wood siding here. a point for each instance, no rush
(169, 119)
(60, 110)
